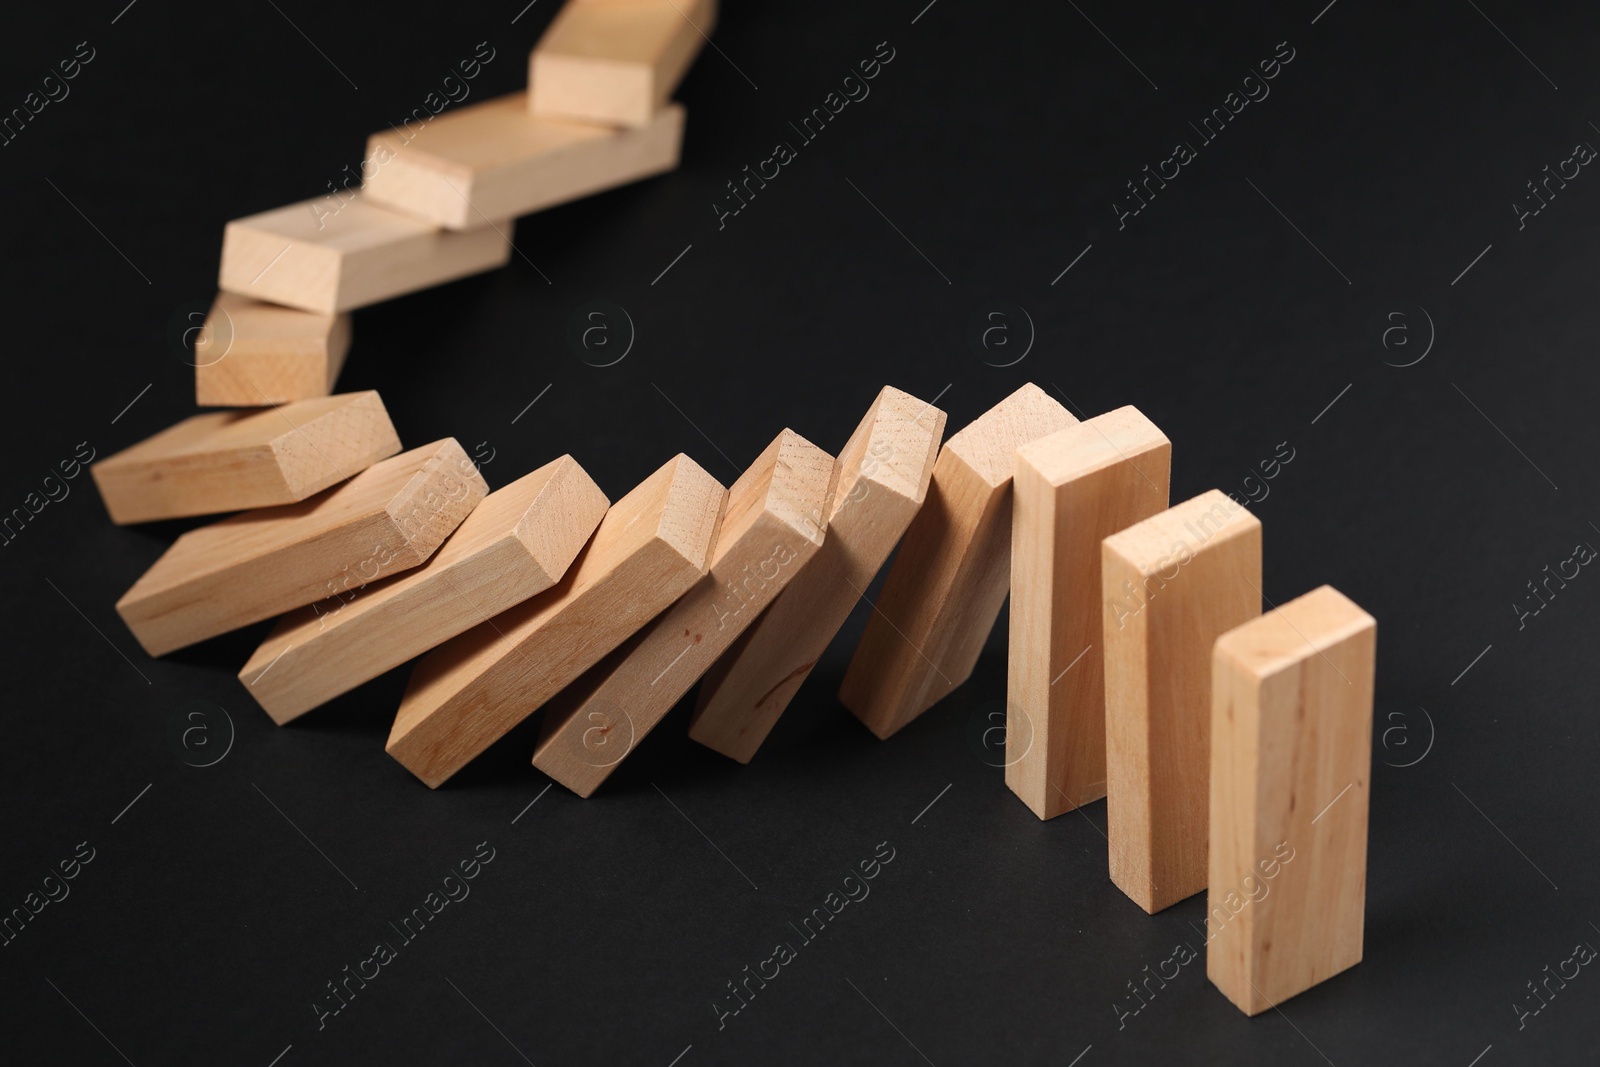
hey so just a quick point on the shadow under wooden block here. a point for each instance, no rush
(250, 353)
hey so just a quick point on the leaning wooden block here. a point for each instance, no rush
(263, 563)
(952, 572)
(771, 529)
(251, 353)
(233, 460)
(882, 480)
(1172, 585)
(1291, 750)
(495, 160)
(353, 253)
(650, 548)
(516, 543)
(1073, 489)
(616, 61)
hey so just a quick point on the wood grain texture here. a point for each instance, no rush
(882, 480)
(651, 547)
(616, 62)
(952, 572)
(234, 460)
(1073, 489)
(262, 563)
(1291, 759)
(496, 160)
(517, 543)
(250, 353)
(310, 257)
(1171, 586)
(771, 529)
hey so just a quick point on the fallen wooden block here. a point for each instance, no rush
(650, 548)
(616, 61)
(517, 543)
(495, 160)
(771, 529)
(263, 563)
(233, 460)
(1172, 585)
(318, 258)
(953, 570)
(250, 353)
(1291, 751)
(883, 477)
(1073, 489)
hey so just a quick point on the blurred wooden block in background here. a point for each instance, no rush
(1291, 756)
(250, 353)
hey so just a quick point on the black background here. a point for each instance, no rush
(996, 141)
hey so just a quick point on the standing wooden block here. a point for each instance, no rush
(650, 548)
(232, 460)
(250, 353)
(1172, 585)
(616, 61)
(1073, 489)
(517, 543)
(495, 160)
(262, 563)
(771, 529)
(952, 572)
(317, 258)
(882, 479)
(1291, 751)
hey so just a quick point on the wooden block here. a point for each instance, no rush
(262, 563)
(771, 529)
(882, 480)
(952, 572)
(496, 160)
(251, 353)
(232, 460)
(310, 257)
(616, 61)
(1172, 585)
(1073, 489)
(650, 548)
(1291, 751)
(517, 543)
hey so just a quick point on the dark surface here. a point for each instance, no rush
(219, 904)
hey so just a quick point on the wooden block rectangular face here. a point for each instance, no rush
(650, 548)
(1291, 755)
(496, 160)
(262, 563)
(329, 259)
(616, 62)
(233, 460)
(1073, 489)
(952, 572)
(882, 480)
(250, 353)
(1171, 586)
(517, 543)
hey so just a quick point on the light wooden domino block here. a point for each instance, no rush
(495, 160)
(650, 548)
(262, 563)
(1291, 755)
(616, 61)
(1172, 585)
(251, 353)
(883, 477)
(233, 460)
(771, 529)
(953, 570)
(1073, 489)
(355, 253)
(517, 543)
